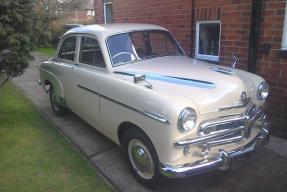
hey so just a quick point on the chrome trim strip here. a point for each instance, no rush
(201, 140)
(236, 105)
(157, 118)
(222, 159)
(127, 106)
(89, 90)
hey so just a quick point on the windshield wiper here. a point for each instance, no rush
(167, 54)
(124, 63)
(151, 56)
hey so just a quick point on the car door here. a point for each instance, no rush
(85, 79)
(63, 63)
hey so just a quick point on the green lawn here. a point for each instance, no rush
(34, 156)
(49, 51)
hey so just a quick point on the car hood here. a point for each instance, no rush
(210, 87)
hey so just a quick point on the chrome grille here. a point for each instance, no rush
(221, 126)
(229, 130)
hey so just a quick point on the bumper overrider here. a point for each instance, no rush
(222, 159)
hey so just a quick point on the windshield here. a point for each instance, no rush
(131, 47)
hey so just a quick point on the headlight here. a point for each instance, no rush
(187, 119)
(263, 91)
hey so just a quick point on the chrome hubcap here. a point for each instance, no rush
(141, 159)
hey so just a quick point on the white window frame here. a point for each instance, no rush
(284, 40)
(203, 56)
(105, 12)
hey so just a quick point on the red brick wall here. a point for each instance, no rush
(271, 66)
(235, 23)
(235, 15)
(175, 15)
(79, 15)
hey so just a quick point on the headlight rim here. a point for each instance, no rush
(183, 115)
(262, 85)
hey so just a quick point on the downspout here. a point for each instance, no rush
(254, 35)
(192, 30)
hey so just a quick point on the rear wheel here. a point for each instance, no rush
(57, 108)
(142, 157)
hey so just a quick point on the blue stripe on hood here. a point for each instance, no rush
(175, 80)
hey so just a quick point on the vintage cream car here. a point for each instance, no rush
(174, 116)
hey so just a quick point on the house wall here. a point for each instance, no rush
(271, 66)
(180, 17)
(81, 15)
(235, 23)
(175, 15)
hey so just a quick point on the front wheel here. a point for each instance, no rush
(57, 108)
(142, 158)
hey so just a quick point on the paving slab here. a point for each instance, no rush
(113, 164)
(263, 171)
(278, 145)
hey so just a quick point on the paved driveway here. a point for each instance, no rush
(263, 171)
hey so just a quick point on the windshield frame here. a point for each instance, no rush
(173, 39)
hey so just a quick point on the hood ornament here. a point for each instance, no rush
(235, 61)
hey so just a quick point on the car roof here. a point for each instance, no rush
(109, 29)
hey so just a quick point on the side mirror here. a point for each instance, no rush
(139, 77)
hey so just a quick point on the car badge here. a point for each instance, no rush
(244, 99)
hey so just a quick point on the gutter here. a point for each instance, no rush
(192, 29)
(254, 35)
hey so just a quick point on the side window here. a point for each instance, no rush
(90, 52)
(68, 49)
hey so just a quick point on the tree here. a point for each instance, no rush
(15, 37)
(48, 11)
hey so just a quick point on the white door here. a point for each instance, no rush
(85, 77)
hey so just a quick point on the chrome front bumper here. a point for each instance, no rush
(222, 159)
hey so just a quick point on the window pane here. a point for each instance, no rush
(208, 43)
(90, 52)
(68, 48)
(108, 13)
